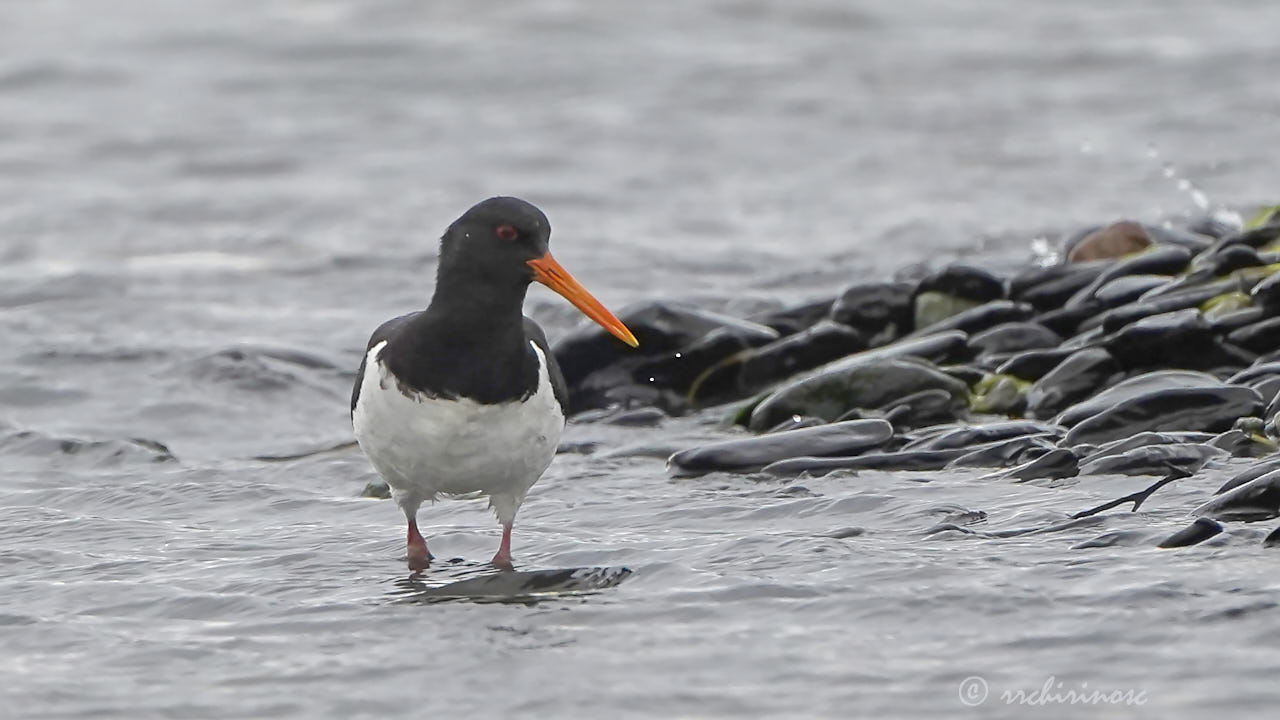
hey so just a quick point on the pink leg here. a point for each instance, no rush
(419, 555)
(503, 558)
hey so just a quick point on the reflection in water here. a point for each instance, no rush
(459, 580)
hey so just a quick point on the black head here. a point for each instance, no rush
(496, 249)
(493, 242)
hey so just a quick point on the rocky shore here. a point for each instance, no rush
(1141, 350)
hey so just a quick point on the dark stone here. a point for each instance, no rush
(1267, 292)
(753, 453)
(749, 371)
(1053, 465)
(1077, 377)
(660, 327)
(1013, 337)
(1006, 453)
(916, 460)
(1034, 364)
(1118, 291)
(877, 309)
(1181, 339)
(680, 369)
(1253, 472)
(1260, 337)
(1050, 288)
(1165, 260)
(852, 383)
(1236, 319)
(788, 321)
(1067, 321)
(964, 281)
(1197, 532)
(1152, 460)
(1258, 499)
(982, 317)
(1207, 409)
(967, 436)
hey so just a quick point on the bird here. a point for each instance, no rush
(465, 398)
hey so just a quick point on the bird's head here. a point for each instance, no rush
(504, 243)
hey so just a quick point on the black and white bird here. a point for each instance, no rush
(465, 398)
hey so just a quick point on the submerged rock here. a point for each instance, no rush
(1248, 475)
(753, 453)
(1195, 533)
(1153, 459)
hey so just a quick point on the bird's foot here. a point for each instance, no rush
(419, 556)
(502, 562)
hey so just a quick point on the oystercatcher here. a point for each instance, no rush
(465, 398)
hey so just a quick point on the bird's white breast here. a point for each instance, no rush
(425, 446)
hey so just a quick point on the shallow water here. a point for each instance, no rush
(205, 207)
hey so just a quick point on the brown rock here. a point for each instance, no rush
(1116, 240)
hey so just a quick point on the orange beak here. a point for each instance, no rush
(548, 272)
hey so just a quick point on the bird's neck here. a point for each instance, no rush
(488, 314)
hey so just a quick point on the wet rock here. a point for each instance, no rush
(1050, 288)
(978, 318)
(1113, 241)
(1272, 540)
(1267, 292)
(660, 327)
(1067, 321)
(968, 436)
(64, 451)
(1153, 460)
(1181, 339)
(1077, 377)
(1032, 365)
(1053, 465)
(1197, 532)
(637, 417)
(1117, 292)
(1253, 472)
(749, 371)
(789, 321)
(1006, 453)
(1205, 408)
(837, 389)
(1013, 337)
(999, 394)
(879, 310)
(953, 290)
(796, 422)
(1166, 260)
(922, 408)
(912, 460)
(1259, 337)
(1258, 499)
(1158, 380)
(1118, 538)
(1223, 323)
(753, 453)
(1143, 439)
(679, 370)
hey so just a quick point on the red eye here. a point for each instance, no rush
(506, 232)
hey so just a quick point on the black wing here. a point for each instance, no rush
(535, 334)
(385, 331)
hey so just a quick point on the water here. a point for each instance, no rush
(205, 207)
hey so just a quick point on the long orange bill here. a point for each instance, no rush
(548, 272)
